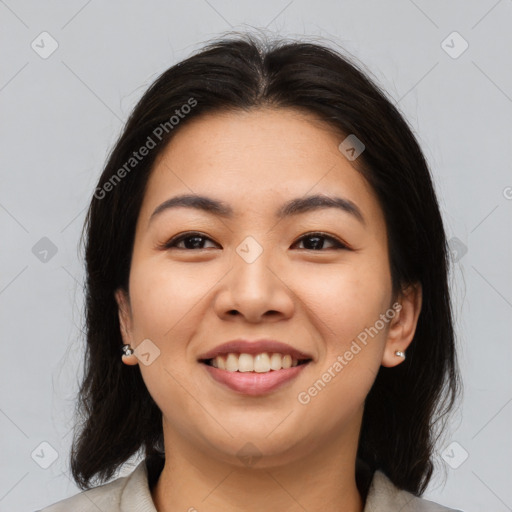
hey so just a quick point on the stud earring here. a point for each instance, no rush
(399, 353)
(127, 349)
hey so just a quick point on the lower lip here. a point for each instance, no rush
(253, 383)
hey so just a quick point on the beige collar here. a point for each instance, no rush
(383, 495)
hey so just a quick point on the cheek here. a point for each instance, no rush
(345, 299)
(162, 300)
(348, 317)
(163, 295)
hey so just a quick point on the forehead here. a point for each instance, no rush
(255, 160)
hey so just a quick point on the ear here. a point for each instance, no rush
(403, 325)
(125, 323)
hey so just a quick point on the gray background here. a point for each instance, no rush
(60, 116)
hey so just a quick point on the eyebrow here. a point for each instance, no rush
(290, 208)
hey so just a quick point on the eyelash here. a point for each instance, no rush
(194, 234)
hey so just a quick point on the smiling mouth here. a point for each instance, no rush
(259, 363)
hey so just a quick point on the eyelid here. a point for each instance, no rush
(179, 237)
(339, 244)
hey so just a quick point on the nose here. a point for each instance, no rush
(255, 291)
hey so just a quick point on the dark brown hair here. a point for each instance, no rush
(117, 416)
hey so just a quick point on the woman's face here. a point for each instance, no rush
(256, 275)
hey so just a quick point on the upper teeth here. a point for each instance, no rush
(260, 363)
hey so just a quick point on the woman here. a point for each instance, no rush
(268, 315)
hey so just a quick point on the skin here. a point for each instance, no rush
(315, 299)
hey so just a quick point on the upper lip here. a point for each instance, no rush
(244, 346)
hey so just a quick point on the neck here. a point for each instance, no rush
(324, 479)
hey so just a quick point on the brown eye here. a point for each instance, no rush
(316, 241)
(191, 241)
(195, 240)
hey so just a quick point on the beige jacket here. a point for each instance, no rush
(131, 493)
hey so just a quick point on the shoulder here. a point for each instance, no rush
(103, 497)
(123, 493)
(383, 495)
